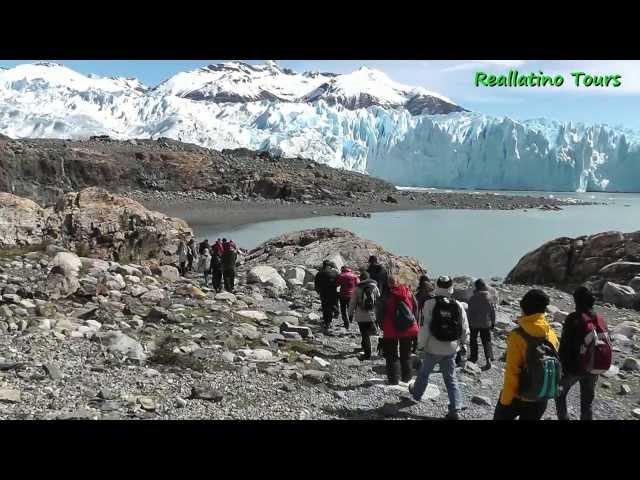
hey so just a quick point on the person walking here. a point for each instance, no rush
(362, 310)
(423, 293)
(532, 358)
(204, 265)
(229, 258)
(216, 270)
(585, 351)
(379, 274)
(192, 254)
(399, 327)
(347, 282)
(181, 252)
(482, 319)
(204, 245)
(326, 284)
(444, 328)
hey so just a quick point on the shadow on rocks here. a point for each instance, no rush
(388, 410)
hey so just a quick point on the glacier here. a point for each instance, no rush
(453, 150)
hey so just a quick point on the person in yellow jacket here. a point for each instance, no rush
(510, 405)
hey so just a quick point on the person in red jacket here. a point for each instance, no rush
(347, 281)
(398, 367)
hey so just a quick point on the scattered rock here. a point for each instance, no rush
(625, 389)
(484, 401)
(9, 395)
(631, 364)
(205, 391)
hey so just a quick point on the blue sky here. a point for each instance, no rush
(452, 78)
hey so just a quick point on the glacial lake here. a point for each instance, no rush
(480, 243)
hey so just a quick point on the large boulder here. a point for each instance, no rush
(265, 274)
(62, 279)
(569, 262)
(22, 221)
(95, 222)
(619, 295)
(308, 248)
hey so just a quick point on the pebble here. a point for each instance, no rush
(625, 389)
(484, 401)
(631, 364)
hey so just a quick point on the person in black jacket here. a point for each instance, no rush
(570, 342)
(216, 270)
(229, 258)
(378, 273)
(326, 283)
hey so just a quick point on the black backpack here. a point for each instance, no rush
(540, 376)
(446, 321)
(367, 301)
(404, 317)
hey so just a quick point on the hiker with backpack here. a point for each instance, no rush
(362, 310)
(181, 253)
(482, 319)
(443, 329)
(399, 327)
(326, 284)
(378, 273)
(532, 372)
(585, 352)
(347, 282)
(423, 293)
(204, 265)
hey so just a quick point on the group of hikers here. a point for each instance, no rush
(217, 260)
(538, 367)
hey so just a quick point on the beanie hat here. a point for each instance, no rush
(480, 285)
(584, 299)
(534, 301)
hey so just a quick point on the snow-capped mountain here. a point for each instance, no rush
(362, 121)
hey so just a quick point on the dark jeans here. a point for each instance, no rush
(182, 268)
(206, 278)
(398, 368)
(485, 337)
(229, 280)
(216, 279)
(521, 409)
(344, 304)
(367, 329)
(587, 394)
(329, 309)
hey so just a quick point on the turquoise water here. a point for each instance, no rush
(482, 243)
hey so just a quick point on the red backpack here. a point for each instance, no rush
(595, 352)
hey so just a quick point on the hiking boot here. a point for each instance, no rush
(452, 416)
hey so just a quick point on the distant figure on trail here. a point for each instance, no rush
(533, 344)
(229, 257)
(216, 270)
(362, 309)
(204, 265)
(378, 273)
(204, 245)
(326, 284)
(399, 327)
(585, 352)
(423, 293)
(443, 329)
(482, 319)
(347, 282)
(192, 254)
(181, 252)
(218, 247)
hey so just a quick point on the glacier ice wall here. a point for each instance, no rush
(457, 150)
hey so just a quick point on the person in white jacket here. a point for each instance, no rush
(443, 328)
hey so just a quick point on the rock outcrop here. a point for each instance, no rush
(22, 221)
(93, 223)
(308, 248)
(592, 260)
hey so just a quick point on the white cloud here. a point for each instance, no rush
(470, 65)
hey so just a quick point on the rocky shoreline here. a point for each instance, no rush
(136, 341)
